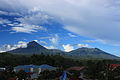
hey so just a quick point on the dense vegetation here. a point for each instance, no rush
(95, 69)
(7, 59)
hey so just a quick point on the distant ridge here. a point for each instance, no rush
(80, 53)
(92, 53)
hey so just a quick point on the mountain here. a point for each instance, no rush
(91, 53)
(81, 53)
(34, 48)
(35, 45)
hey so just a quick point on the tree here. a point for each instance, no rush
(22, 75)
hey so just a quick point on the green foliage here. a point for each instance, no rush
(95, 69)
(101, 70)
(7, 59)
(50, 75)
(8, 73)
(54, 60)
(22, 75)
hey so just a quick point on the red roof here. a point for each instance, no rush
(114, 65)
(76, 68)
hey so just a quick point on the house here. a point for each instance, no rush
(34, 70)
(79, 74)
(114, 65)
(2, 69)
(46, 67)
(27, 68)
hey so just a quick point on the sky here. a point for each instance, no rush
(60, 24)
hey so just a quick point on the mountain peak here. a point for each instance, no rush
(34, 44)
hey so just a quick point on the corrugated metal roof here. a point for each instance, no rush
(26, 66)
(44, 66)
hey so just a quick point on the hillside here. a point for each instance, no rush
(91, 53)
(81, 53)
(34, 48)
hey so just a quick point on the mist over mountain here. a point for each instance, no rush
(80, 53)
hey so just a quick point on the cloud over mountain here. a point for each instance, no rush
(95, 20)
(68, 47)
(8, 47)
(91, 18)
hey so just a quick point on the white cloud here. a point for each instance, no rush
(68, 47)
(98, 41)
(91, 18)
(13, 24)
(9, 13)
(45, 37)
(26, 28)
(2, 51)
(82, 45)
(31, 22)
(43, 42)
(8, 47)
(35, 40)
(4, 21)
(22, 44)
(34, 18)
(91, 41)
(54, 39)
(50, 47)
(3, 13)
(72, 35)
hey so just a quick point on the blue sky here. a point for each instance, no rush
(64, 25)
